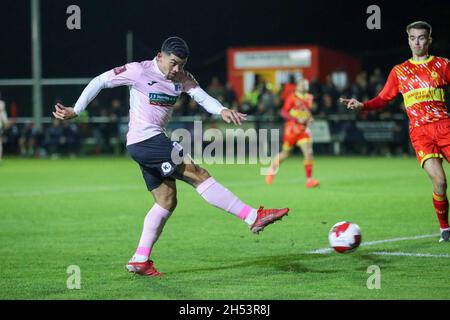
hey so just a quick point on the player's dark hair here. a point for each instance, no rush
(419, 25)
(177, 46)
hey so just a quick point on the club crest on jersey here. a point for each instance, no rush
(162, 99)
(434, 75)
(178, 86)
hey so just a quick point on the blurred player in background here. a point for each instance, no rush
(421, 81)
(296, 112)
(3, 123)
(155, 87)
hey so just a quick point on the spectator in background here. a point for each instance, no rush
(193, 109)
(215, 89)
(180, 107)
(376, 82)
(360, 87)
(329, 88)
(267, 101)
(72, 139)
(315, 88)
(102, 133)
(115, 113)
(29, 140)
(230, 98)
(55, 139)
(250, 102)
(3, 124)
(11, 138)
(96, 109)
(327, 106)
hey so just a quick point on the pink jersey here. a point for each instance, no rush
(152, 97)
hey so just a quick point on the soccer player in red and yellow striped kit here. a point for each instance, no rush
(297, 113)
(421, 81)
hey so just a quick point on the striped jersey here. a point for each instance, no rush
(422, 84)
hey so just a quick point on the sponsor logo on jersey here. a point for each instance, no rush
(162, 99)
(178, 86)
(422, 95)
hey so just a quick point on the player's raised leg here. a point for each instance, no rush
(435, 171)
(165, 203)
(217, 195)
(308, 160)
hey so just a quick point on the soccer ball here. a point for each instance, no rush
(345, 237)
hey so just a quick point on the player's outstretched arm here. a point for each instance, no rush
(389, 92)
(210, 104)
(119, 76)
(352, 103)
(64, 113)
(89, 93)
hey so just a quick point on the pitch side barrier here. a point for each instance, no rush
(336, 134)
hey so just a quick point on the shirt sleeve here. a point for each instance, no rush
(390, 89)
(375, 103)
(125, 75)
(205, 100)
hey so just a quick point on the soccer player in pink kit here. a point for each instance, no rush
(154, 88)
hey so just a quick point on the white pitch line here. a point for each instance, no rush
(407, 254)
(371, 243)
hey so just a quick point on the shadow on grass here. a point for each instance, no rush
(323, 263)
(287, 263)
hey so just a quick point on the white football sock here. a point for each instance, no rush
(139, 258)
(251, 218)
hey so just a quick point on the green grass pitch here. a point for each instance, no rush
(89, 212)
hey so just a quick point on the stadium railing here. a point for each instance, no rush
(335, 134)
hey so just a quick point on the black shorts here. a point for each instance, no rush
(158, 158)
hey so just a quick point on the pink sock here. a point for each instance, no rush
(219, 196)
(153, 225)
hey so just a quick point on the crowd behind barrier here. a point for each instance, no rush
(101, 129)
